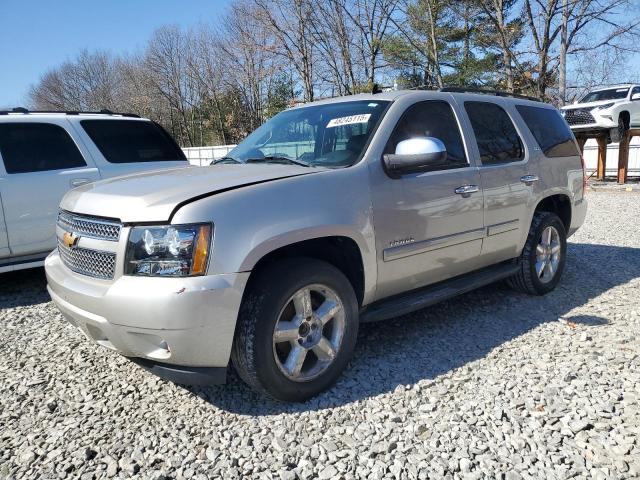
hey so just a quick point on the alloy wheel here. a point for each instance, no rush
(309, 332)
(548, 254)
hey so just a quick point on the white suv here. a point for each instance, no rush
(44, 154)
(615, 108)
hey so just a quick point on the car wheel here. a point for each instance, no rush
(618, 133)
(543, 257)
(297, 329)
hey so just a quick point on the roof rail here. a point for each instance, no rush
(104, 111)
(497, 93)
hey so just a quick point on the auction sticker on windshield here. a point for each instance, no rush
(338, 122)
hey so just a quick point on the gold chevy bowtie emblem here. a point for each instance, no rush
(70, 239)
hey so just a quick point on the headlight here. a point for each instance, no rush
(168, 251)
(605, 106)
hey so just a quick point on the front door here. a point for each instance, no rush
(4, 241)
(635, 108)
(425, 231)
(41, 163)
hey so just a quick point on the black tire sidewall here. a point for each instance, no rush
(550, 219)
(286, 280)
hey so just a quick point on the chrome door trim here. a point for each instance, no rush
(502, 227)
(414, 248)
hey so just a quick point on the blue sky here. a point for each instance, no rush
(39, 34)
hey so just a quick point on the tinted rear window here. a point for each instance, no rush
(37, 147)
(132, 141)
(497, 138)
(550, 131)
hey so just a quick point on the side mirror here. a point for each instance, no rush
(635, 96)
(415, 155)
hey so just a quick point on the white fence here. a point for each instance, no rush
(591, 157)
(205, 155)
(202, 156)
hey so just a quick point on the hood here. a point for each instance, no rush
(152, 196)
(590, 105)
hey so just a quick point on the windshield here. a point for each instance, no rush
(331, 135)
(611, 94)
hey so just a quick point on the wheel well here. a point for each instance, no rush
(558, 204)
(626, 118)
(341, 252)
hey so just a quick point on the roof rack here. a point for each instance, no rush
(497, 93)
(104, 111)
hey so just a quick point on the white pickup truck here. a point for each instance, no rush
(44, 154)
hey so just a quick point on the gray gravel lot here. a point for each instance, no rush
(493, 384)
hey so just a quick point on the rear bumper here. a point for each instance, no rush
(172, 322)
(578, 215)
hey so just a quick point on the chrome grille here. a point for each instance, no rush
(579, 116)
(89, 226)
(88, 262)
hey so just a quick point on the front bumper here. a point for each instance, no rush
(602, 121)
(180, 322)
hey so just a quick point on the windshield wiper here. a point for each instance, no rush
(226, 159)
(277, 159)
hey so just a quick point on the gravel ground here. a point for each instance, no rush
(493, 384)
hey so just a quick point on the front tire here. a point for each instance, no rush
(297, 329)
(543, 257)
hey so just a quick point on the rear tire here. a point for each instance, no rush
(297, 329)
(543, 257)
(618, 133)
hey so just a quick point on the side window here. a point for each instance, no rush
(37, 147)
(634, 91)
(550, 131)
(132, 141)
(498, 140)
(431, 118)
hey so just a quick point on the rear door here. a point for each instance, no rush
(121, 146)
(504, 164)
(41, 163)
(425, 231)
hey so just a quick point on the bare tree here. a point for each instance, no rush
(596, 25)
(372, 19)
(289, 22)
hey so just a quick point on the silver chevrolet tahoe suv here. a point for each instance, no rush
(337, 212)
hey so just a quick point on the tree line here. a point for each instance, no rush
(215, 83)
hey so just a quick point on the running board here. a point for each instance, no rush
(432, 294)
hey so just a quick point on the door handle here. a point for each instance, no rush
(529, 179)
(76, 182)
(466, 190)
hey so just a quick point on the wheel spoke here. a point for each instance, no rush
(549, 270)
(294, 362)
(555, 248)
(546, 237)
(302, 303)
(540, 264)
(324, 350)
(540, 250)
(285, 331)
(327, 311)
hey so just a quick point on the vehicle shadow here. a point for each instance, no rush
(23, 288)
(436, 340)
